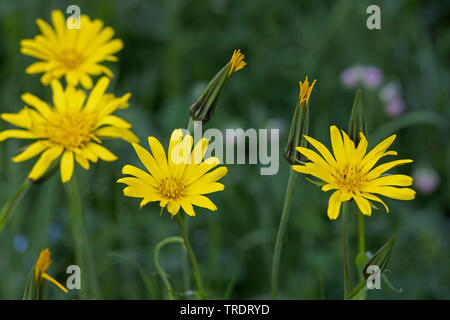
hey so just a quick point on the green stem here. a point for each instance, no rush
(9, 206)
(356, 290)
(190, 126)
(158, 266)
(83, 256)
(345, 249)
(195, 268)
(361, 236)
(185, 262)
(281, 231)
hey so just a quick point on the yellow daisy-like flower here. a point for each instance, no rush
(73, 53)
(305, 91)
(41, 266)
(71, 129)
(237, 62)
(179, 180)
(351, 171)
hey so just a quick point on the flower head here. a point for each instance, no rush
(72, 128)
(74, 53)
(236, 62)
(305, 91)
(179, 179)
(351, 172)
(41, 266)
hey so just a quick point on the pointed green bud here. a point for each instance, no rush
(299, 125)
(203, 108)
(357, 119)
(380, 258)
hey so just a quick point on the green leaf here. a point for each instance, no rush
(357, 119)
(381, 257)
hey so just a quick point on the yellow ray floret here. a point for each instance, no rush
(305, 91)
(237, 62)
(76, 54)
(351, 172)
(71, 129)
(41, 266)
(180, 179)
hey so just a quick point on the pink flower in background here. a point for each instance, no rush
(426, 180)
(351, 76)
(394, 107)
(391, 95)
(372, 77)
(368, 76)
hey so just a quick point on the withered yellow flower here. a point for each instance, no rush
(236, 62)
(76, 54)
(41, 266)
(305, 91)
(352, 174)
(179, 179)
(72, 128)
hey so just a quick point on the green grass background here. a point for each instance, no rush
(172, 48)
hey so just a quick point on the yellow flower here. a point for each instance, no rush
(305, 91)
(181, 179)
(237, 62)
(70, 128)
(75, 53)
(351, 171)
(41, 266)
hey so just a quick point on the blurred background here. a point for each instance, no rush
(172, 48)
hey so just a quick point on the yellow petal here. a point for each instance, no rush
(31, 151)
(376, 172)
(337, 144)
(41, 106)
(173, 207)
(159, 155)
(147, 160)
(15, 133)
(44, 162)
(82, 160)
(187, 207)
(101, 152)
(37, 67)
(334, 205)
(394, 193)
(138, 173)
(202, 201)
(114, 121)
(59, 100)
(375, 198)
(400, 180)
(363, 205)
(96, 94)
(21, 119)
(198, 188)
(322, 150)
(66, 166)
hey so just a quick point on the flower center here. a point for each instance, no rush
(350, 179)
(171, 187)
(70, 59)
(71, 130)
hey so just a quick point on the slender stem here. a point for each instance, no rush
(190, 126)
(9, 206)
(345, 249)
(355, 291)
(361, 236)
(83, 256)
(281, 231)
(158, 266)
(185, 263)
(195, 268)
